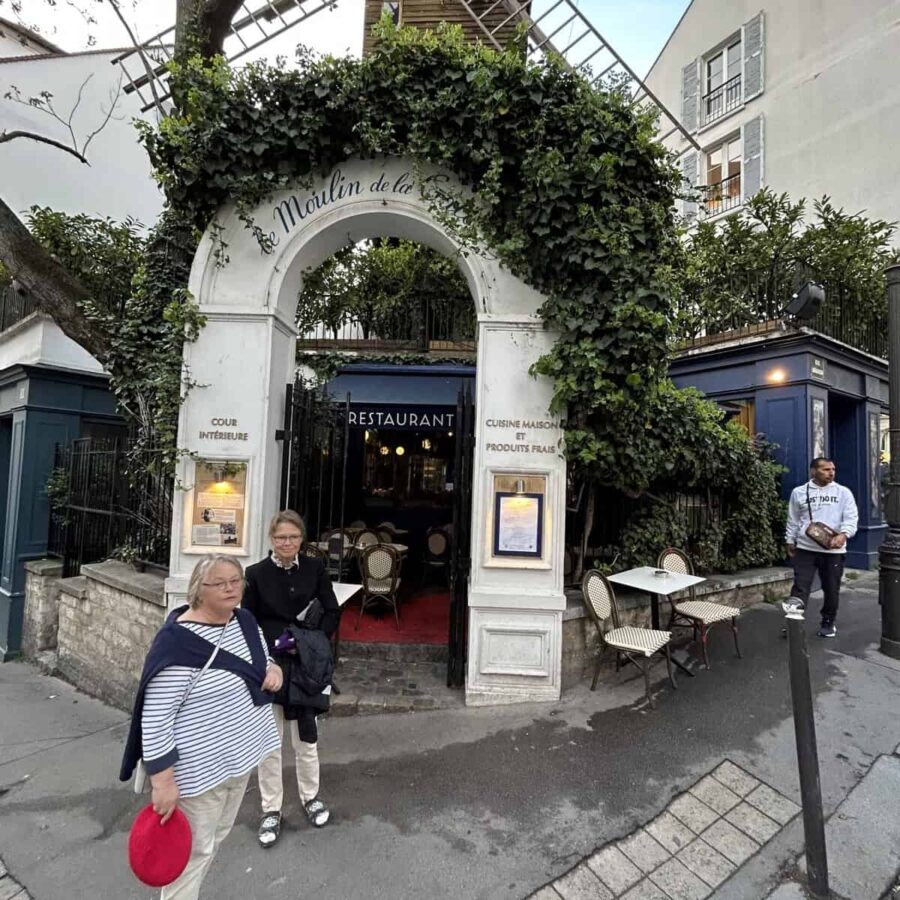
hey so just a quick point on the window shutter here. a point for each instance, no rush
(690, 96)
(690, 166)
(752, 142)
(753, 40)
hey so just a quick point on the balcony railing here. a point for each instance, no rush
(722, 196)
(14, 306)
(722, 99)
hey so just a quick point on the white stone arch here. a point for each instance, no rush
(245, 355)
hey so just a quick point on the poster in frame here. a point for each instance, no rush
(518, 524)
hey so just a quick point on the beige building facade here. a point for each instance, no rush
(802, 96)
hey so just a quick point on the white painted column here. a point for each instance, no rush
(516, 604)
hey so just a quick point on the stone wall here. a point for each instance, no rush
(107, 619)
(580, 642)
(41, 606)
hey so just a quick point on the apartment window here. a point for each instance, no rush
(392, 7)
(723, 177)
(723, 81)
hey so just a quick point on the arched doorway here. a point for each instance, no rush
(246, 353)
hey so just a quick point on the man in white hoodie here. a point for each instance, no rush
(821, 499)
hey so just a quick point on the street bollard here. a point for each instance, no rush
(807, 754)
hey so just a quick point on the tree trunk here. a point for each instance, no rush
(212, 18)
(55, 290)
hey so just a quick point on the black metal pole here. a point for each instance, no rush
(889, 552)
(807, 757)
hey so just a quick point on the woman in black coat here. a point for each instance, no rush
(277, 590)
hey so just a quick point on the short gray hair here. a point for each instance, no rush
(204, 564)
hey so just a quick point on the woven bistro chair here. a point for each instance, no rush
(379, 567)
(637, 645)
(315, 553)
(358, 523)
(386, 536)
(699, 615)
(437, 553)
(340, 549)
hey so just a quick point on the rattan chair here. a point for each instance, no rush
(637, 645)
(366, 538)
(315, 553)
(358, 523)
(437, 553)
(699, 615)
(386, 536)
(379, 567)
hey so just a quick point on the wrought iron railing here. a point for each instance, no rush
(109, 499)
(722, 196)
(14, 306)
(439, 327)
(722, 100)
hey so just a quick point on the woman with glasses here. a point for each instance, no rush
(278, 590)
(203, 716)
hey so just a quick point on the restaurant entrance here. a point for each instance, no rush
(397, 476)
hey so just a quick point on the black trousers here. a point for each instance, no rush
(830, 567)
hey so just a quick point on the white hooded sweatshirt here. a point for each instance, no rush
(832, 504)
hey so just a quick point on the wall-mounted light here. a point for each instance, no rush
(449, 434)
(368, 435)
(400, 451)
(776, 376)
(426, 444)
(384, 451)
(520, 485)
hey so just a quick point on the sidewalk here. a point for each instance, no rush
(476, 803)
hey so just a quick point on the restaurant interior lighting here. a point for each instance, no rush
(426, 444)
(385, 450)
(400, 451)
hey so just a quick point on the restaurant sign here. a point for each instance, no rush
(407, 418)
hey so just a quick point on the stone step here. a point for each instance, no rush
(372, 686)
(394, 652)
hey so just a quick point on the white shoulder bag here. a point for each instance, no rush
(140, 770)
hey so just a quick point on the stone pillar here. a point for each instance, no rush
(41, 623)
(516, 602)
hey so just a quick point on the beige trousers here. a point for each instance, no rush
(211, 815)
(306, 758)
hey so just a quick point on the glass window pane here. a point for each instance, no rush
(714, 72)
(734, 60)
(735, 150)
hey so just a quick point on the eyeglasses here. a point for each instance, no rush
(235, 582)
(286, 538)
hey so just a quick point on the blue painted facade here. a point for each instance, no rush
(40, 407)
(811, 396)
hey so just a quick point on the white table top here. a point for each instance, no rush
(643, 579)
(400, 548)
(344, 591)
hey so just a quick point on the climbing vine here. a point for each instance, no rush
(565, 184)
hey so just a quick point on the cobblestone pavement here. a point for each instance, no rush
(370, 686)
(686, 852)
(10, 889)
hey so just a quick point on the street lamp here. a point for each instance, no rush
(889, 552)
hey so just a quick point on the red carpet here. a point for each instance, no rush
(424, 619)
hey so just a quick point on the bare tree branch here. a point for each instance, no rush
(30, 135)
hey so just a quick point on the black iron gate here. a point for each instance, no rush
(314, 457)
(461, 559)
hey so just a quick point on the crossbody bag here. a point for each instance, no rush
(140, 771)
(819, 532)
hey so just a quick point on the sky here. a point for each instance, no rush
(637, 29)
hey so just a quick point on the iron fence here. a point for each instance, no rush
(722, 196)
(722, 99)
(109, 499)
(14, 306)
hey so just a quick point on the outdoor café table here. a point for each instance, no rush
(402, 549)
(643, 579)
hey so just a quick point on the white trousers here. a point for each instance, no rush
(211, 815)
(306, 758)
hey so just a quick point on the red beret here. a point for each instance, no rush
(158, 853)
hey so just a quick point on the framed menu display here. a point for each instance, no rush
(518, 516)
(217, 507)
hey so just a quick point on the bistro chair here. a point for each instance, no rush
(379, 567)
(385, 536)
(340, 548)
(358, 524)
(389, 525)
(315, 553)
(699, 615)
(437, 553)
(637, 645)
(366, 538)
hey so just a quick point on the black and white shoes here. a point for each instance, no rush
(269, 829)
